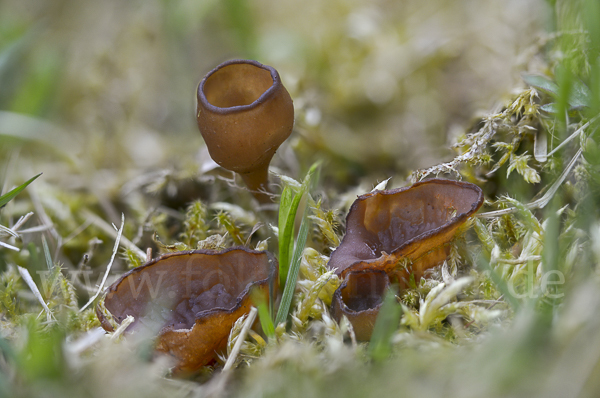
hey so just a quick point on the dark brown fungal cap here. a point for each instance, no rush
(244, 114)
(189, 299)
(415, 223)
(385, 227)
(359, 298)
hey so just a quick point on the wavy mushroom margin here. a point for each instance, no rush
(159, 295)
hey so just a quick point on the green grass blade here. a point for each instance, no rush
(386, 324)
(287, 196)
(288, 208)
(290, 285)
(288, 270)
(286, 237)
(285, 205)
(49, 261)
(313, 175)
(7, 197)
(266, 322)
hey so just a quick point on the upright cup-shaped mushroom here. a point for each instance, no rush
(244, 114)
(359, 298)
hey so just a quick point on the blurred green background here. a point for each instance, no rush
(380, 87)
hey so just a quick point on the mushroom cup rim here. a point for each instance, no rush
(272, 271)
(337, 295)
(457, 219)
(268, 93)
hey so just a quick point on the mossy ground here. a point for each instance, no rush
(99, 96)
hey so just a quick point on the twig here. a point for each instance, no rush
(544, 200)
(39, 228)
(8, 231)
(497, 302)
(575, 134)
(480, 141)
(517, 261)
(216, 387)
(36, 292)
(112, 258)
(122, 327)
(240, 340)
(11, 247)
(104, 226)
(22, 220)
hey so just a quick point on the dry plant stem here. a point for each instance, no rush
(22, 221)
(8, 231)
(518, 261)
(43, 216)
(32, 230)
(544, 200)
(480, 140)
(240, 340)
(104, 226)
(109, 266)
(218, 386)
(579, 131)
(78, 230)
(122, 327)
(36, 292)
(11, 247)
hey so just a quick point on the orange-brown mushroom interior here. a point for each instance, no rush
(236, 85)
(407, 222)
(389, 223)
(364, 290)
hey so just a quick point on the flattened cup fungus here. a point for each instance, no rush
(413, 224)
(244, 114)
(190, 299)
(359, 298)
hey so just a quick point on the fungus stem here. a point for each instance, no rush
(257, 182)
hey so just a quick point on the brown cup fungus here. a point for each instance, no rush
(189, 299)
(359, 298)
(244, 114)
(399, 232)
